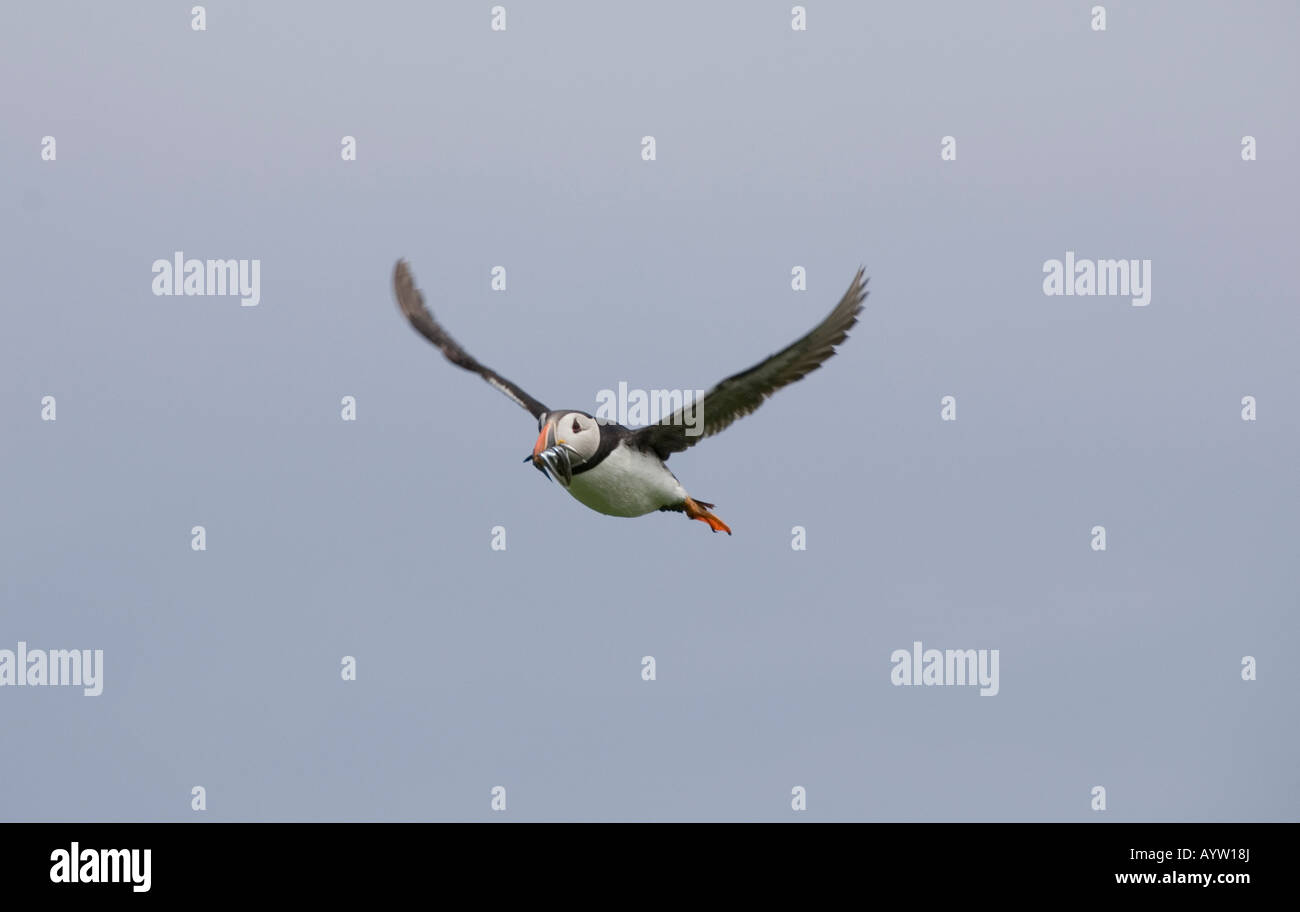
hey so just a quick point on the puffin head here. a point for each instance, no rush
(564, 440)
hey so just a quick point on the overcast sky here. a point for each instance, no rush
(522, 668)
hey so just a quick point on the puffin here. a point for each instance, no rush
(621, 471)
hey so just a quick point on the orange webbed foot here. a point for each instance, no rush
(697, 510)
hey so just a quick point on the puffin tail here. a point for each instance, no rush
(698, 509)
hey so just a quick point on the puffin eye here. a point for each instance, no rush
(576, 429)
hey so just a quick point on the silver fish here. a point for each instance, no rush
(558, 460)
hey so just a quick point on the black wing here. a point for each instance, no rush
(741, 393)
(412, 304)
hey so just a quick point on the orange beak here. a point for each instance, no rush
(545, 440)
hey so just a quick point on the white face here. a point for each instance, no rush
(578, 432)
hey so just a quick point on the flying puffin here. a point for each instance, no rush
(619, 471)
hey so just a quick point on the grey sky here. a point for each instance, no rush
(522, 668)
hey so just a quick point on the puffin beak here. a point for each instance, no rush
(551, 457)
(545, 440)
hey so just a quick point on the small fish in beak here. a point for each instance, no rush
(559, 461)
(551, 458)
(556, 462)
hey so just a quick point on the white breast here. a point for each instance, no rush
(627, 482)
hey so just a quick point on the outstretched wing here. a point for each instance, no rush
(741, 393)
(412, 304)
